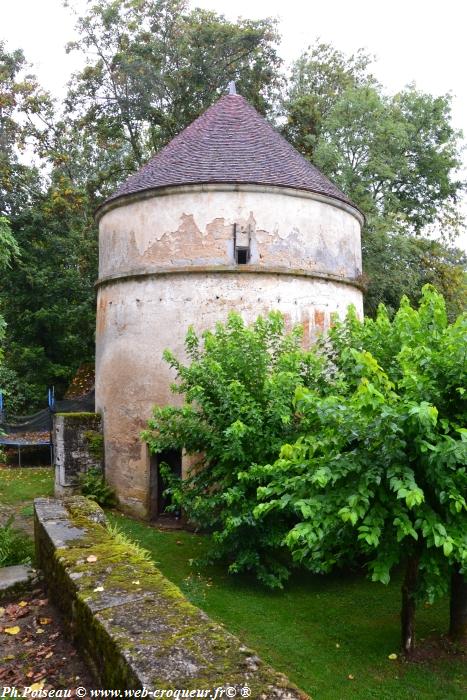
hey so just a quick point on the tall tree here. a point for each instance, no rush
(383, 459)
(46, 291)
(153, 67)
(396, 157)
(20, 100)
(319, 77)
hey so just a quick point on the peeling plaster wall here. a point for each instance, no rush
(166, 249)
(195, 227)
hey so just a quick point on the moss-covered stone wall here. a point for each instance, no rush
(135, 627)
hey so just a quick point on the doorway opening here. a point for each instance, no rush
(159, 501)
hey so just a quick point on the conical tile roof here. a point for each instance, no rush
(229, 143)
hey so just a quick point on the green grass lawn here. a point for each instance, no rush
(319, 631)
(18, 487)
(25, 484)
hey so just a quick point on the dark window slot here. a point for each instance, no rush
(241, 255)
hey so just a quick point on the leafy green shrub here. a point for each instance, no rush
(381, 466)
(239, 389)
(14, 391)
(15, 547)
(374, 450)
(94, 487)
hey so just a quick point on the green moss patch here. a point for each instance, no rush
(78, 415)
(95, 442)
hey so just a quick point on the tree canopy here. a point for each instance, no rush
(397, 157)
(153, 67)
(381, 463)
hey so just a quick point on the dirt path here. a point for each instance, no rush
(34, 646)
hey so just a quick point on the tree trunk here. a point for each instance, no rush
(408, 604)
(458, 608)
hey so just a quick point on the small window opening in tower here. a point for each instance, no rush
(242, 243)
(242, 255)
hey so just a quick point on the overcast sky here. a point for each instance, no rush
(413, 40)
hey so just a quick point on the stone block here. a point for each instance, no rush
(15, 578)
(77, 440)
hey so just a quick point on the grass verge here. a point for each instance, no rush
(330, 635)
(22, 485)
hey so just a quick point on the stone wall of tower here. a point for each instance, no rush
(167, 262)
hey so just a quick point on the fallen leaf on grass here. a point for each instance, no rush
(350, 677)
(99, 589)
(12, 630)
(47, 656)
(39, 631)
(392, 657)
(22, 604)
(45, 620)
(91, 558)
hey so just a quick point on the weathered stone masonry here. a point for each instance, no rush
(78, 446)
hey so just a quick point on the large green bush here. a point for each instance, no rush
(353, 451)
(239, 387)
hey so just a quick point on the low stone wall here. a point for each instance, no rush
(78, 446)
(135, 628)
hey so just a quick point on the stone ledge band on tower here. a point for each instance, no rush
(237, 269)
(126, 199)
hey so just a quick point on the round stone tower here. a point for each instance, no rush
(227, 216)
